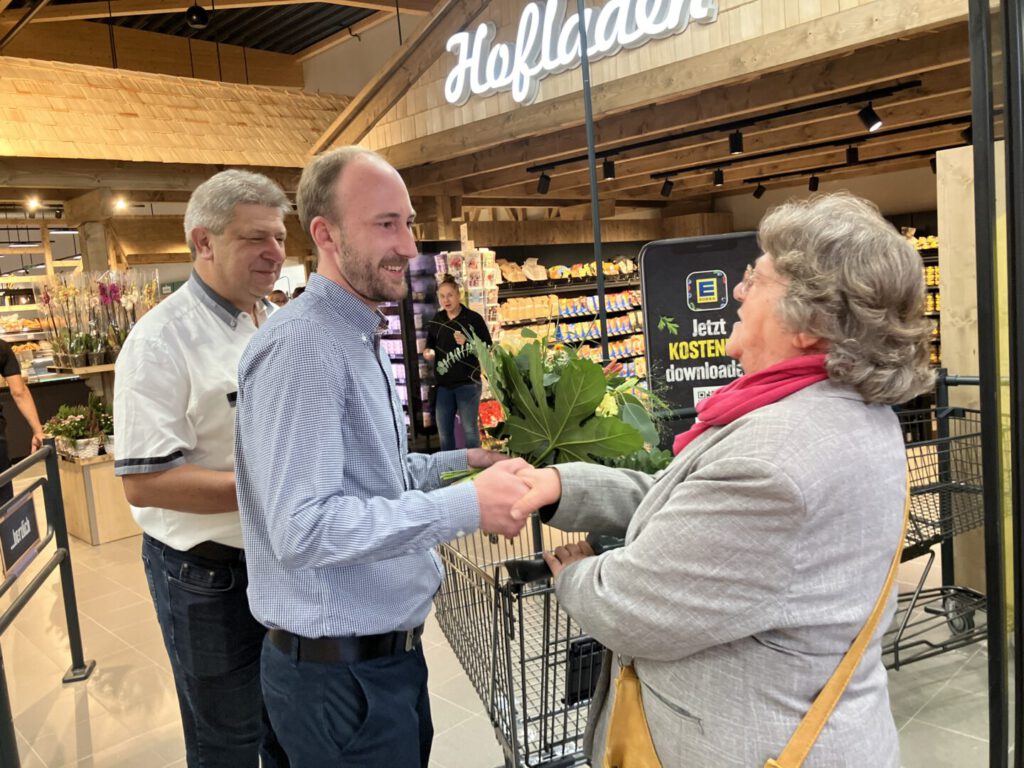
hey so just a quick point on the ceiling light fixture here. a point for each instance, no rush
(967, 134)
(120, 204)
(666, 188)
(852, 155)
(609, 168)
(543, 184)
(197, 17)
(32, 203)
(813, 184)
(719, 178)
(759, 191)
(934, 165)
(736, 143)
(870, 118)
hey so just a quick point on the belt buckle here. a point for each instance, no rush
(410, 640)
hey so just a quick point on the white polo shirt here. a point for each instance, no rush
(174, 391)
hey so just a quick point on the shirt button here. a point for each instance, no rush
(364, 338)
(460, 533)
(234, 323)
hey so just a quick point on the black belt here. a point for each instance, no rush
(218, 553)
(345, 650)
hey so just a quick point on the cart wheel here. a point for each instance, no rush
(959, 617)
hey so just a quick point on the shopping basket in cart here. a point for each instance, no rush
(944, 460)
(531, 664)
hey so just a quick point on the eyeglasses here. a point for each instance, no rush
(748, 278)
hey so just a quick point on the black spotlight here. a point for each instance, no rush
(759, 191)
(719, 177)
(735, 143)
(852, 155)
(609, 168)
(666, 188)
(967, 134)
(543, 184)
(197, 17)
(870, 118)
(812, 185)
(934, 165)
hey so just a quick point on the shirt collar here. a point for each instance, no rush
(370, 321)
(220, 306)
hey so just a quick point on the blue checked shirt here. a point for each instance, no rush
(338, 522)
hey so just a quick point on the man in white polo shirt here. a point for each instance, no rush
(174, 412)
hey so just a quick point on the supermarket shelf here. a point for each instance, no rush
(932, 314)
(20, 308)
(24, 336)
(538, 288)
(932, 288)
(567, 318)
(86, 371)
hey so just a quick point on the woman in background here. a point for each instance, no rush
(458, 388)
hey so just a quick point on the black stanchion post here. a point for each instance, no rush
(8, 740)
(54, 503)
(945, 502)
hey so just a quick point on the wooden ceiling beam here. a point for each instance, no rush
(121, 176)
(402, 70)
(636, 171)
(100, 10)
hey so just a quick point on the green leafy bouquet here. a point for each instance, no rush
(559, 407)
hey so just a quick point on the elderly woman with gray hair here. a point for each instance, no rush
(753, 560)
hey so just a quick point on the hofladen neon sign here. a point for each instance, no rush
(548, 42)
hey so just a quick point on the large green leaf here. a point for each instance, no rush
(567, 429)
(637, 416)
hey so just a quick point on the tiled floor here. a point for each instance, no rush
(126, 713)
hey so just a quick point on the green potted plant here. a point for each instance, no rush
(97, 349)
(105, 419)
(77, 430)
(81, 345)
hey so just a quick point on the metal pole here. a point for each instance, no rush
(54, 503)
(8, 739)
(945, 503)
(988, 365)
(20, 23)
(1013, 111)
(595, 208)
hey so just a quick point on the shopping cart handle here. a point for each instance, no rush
(525, 571)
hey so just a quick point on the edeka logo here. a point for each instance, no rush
(547, 43)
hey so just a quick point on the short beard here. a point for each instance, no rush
(363, 278)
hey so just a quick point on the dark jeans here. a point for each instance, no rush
(466, 400)
(214, 646)
(370, 714)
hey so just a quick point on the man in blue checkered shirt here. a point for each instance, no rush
(340, 521)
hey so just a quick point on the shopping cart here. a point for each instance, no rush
(944, 460)
(531, 664)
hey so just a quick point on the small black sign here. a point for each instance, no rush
(18, 531)
(689, 311)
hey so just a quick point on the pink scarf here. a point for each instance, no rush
(748, 393)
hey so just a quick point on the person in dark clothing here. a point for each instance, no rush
(11, 372)
(458, 388)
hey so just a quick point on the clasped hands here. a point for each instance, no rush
(509, 491)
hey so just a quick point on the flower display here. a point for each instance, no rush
(560, 407)
(91, 314)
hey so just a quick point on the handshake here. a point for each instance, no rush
(510, 490)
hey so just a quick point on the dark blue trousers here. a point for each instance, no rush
(371, 714)
(214, 646)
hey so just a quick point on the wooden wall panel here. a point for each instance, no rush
(818, 23)
(83, 42)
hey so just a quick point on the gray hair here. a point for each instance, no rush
(212, 205)
(855, 282)
(316, 187)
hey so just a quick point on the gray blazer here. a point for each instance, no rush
(750, 565)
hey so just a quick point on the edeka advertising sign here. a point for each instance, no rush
(689, 310)
(548, 42)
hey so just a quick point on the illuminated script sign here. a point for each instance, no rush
(548, 42)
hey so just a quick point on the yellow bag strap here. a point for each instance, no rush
(803, 738)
